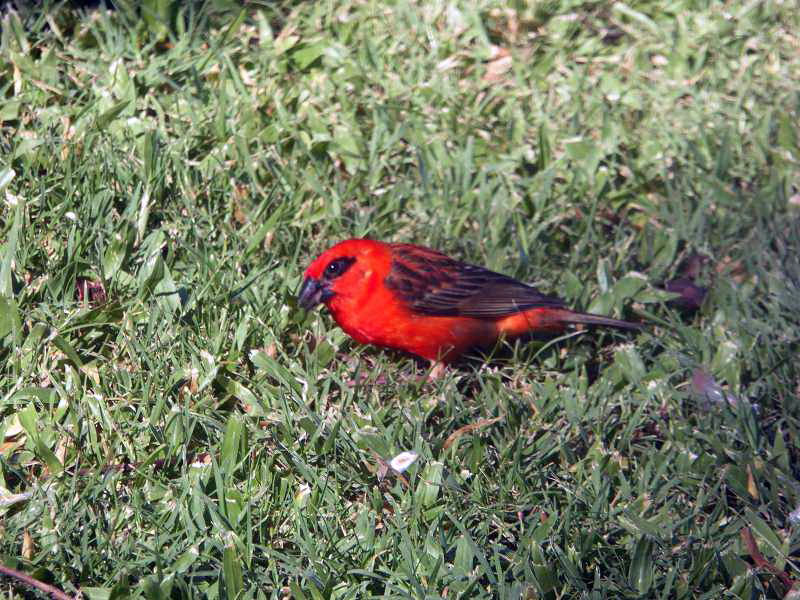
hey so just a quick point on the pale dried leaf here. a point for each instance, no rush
(402, 461)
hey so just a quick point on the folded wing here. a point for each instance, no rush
(433, 284)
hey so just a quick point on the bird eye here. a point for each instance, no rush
(338, 267)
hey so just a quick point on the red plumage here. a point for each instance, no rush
(421, 301)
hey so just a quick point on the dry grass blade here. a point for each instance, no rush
(30, 582)
(468, 429)
(761, 562)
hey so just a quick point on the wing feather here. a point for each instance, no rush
(434, 284)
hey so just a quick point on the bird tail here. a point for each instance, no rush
(554, 320)
(590, 319)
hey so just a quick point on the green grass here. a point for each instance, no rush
(197, 435)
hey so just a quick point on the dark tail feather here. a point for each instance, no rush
(588, 319)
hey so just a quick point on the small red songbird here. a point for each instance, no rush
(418, 300)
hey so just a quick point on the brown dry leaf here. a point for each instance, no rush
(14, 428)
(90, 291)
(27, 546)
(508, 30)
(17, 80)
(92, 372)
(194, 374)
(14, 437)
(534, 410)
(201, 460)
(512, 24)
(499, 64)
(468, 429)
(240, 194)
(286, 39)
(762, 563)
(382, 467)
(247, 77)
(61, 450)
(238, 214)
(733, 268)
(752, 488)
(68, 128)
(448, 63)
(268, 421)
(8, 448)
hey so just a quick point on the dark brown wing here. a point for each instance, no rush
(434, 284)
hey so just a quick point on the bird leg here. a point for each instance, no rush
(436, 372)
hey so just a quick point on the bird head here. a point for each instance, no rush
(345, 272)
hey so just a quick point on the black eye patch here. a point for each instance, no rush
(338, 266)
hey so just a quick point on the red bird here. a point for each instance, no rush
(418, 300)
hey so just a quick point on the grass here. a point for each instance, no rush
(172, 425)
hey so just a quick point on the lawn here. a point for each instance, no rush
(173, 425)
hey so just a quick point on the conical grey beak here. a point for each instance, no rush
(313, 292)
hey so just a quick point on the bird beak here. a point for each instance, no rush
(313, 292)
